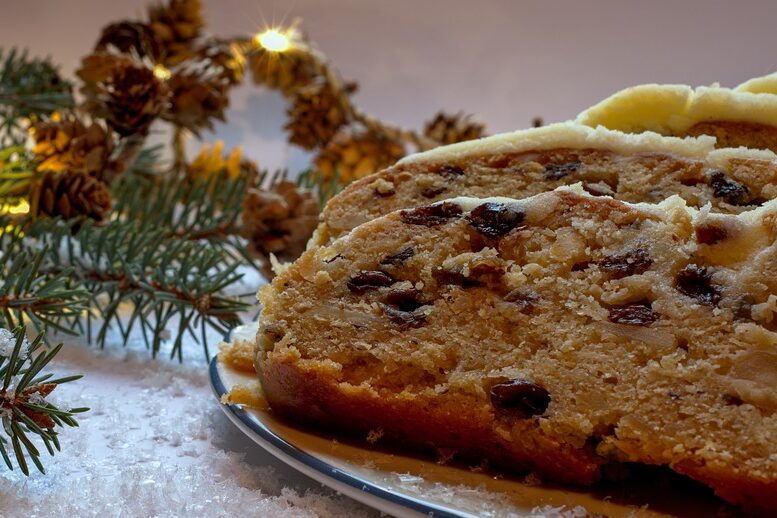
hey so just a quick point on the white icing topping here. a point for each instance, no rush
(567, 135)
(671, 109)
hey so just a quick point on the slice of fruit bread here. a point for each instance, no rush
(559, 333)
(633, 167)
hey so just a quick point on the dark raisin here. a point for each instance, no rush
(581, 266)
(404, 300)
(495, 219)
(634, 314)
(432, 192)
(369, 279)
(633, 262)
(733, 400)
(710, 234)
(450, 278)
(674, 395)
(400, 257)
(731, 191)
(451, 171)
(404, 319)
(695, 282)
(524, 299)
(520, 397)
(557, 171)
(431, 215)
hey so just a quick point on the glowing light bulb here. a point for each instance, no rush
(161, 72)
(273, 40)
(22, 207)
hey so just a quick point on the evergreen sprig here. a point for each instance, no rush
(206, 210)
(16, 172)
(24, 411)
(159, 278)
(29, 88)
(46, 300)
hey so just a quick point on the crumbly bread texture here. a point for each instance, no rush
(559, 333)
(644, 167)
(744, 116)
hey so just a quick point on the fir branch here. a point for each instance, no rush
(160, 278)
(189, 209)
(46, 300)
(16, 172)
(24, 410)
(29, 87)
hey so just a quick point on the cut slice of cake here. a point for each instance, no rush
(631, 167)
(559, 334)
(744, 116)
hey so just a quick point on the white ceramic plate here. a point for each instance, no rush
(407, 486)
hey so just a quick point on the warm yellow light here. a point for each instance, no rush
(161, 73)
(273, 40)
(22, 207)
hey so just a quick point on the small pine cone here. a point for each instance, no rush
(128, 36)
(70, 145)
(69, 195)
(286, 71)
(176, 25)
(316, 115)
(356, 156)
(123, 91)
(196, 99)
(449, 129)
(226, 58)
(279, 221)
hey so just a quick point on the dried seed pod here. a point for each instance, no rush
(449, 129)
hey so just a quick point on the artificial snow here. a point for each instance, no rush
(156, 443)
(8, 342)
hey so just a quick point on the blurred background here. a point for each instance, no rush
(503, 61)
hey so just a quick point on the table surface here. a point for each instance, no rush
(156, 443)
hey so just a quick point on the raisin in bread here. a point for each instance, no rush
(560, 333)
(745, 116)
(631, 167)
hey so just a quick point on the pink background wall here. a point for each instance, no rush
(505, 61)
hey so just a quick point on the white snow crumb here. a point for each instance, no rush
(8, 342)
(36, 399)
(156, 443)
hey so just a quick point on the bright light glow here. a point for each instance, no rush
(22, 207)
(273, 40)
(161, 72)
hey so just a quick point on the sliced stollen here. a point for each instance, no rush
(743, 116)
(642, 167)
(559, 333)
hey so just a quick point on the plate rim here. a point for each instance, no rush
(362, 490)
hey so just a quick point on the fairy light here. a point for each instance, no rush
(21, 207)
(161, 72)
(273, 40)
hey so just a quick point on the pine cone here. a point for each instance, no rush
(449, 129)
(175, 26)
(279, 221)
(196, 99)
(355, 156)
(70, 145)
(123, 91)
(286, 71)
(70, 195)
(129, 36)
(316, 115)
(226, 58)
